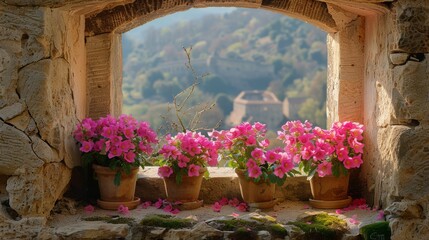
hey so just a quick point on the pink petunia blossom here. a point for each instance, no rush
(123, 209)
(193, 170)
(254, 172)
(279, 171)
(89, 208)
(165, 171)
(217, 207)
(130, 156)
(324, 169)
(257, 153)
(87, 146)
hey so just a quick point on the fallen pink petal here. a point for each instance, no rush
(175, 211)
(306, 207)
(146, 204)
(234, 202)
(89, 208)
(339, 211)
(168, 208)
(380, 215)
(217, 207)
(235, 215)
(223, 201)
(159, 203)
(123, 209)
(242, 207)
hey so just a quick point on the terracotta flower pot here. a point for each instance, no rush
(330, 191)
(112, 195)
(259, 195)
(187, 191)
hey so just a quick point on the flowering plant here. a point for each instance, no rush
(246, 148)
(185, 154)
(327, 152)
(121, 142)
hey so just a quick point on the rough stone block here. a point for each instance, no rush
(410, 91)
(45, 88)
(405, 162)
(13, 141)
(403, 229)
(21, 121)
(12, 111)
(8, 78)
(35, 191)
(93, 230)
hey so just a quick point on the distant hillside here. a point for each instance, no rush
(244, 49)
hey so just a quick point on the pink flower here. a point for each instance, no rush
(257, 153)
(129, 156)
(324, 169)
(123, 209)
(357, 161)
(339, 211)
(279, 172)
(114, 152)
(89, 208)
(348, 163)
(242, 207)
(342, 153)
(254, 172)
(251, 164)
(217, 207)
(165, 171)
(271, 156)
(193, 170)
(265, 143)
(223, 201)
(251, 141)
(86, 146)
(234, 202)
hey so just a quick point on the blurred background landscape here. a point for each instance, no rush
(242, 50)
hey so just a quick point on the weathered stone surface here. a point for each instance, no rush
(8, 78)
(405, 210)
(13, 141)
(44, 151)
(93, 230)
(29, 30)
(410, 91)
(34, 191)
(21, 122)
(26, 228)
(44, 87)
(12, 111)
(409, 229)
(412, 22)
(199, 231)
(399, 58)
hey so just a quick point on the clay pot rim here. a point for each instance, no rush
(201, 171)
(106, 170)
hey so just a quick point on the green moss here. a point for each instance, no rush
(98, 218)
(166, 221)
(378, 230)
(321, 226)
(111, 219)
(275, 229)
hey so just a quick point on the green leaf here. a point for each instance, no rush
(273, 178)
(179, 177)
(311, 173)
(117, 179)
(206, 174)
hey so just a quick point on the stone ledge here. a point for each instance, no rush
(223, 182)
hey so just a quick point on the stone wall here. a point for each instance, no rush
(42, 95)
